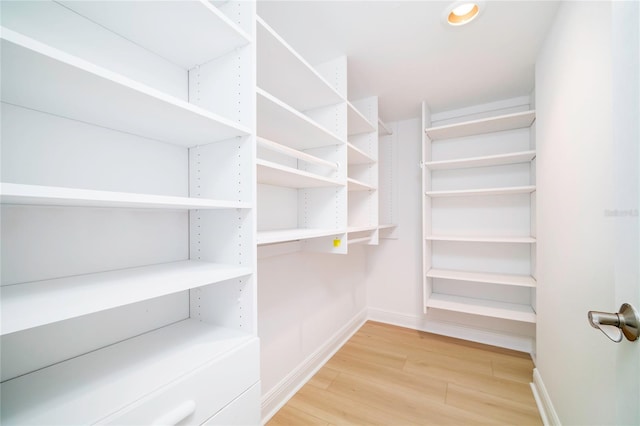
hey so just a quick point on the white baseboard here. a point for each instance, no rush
(545, 406)
(276, 397)
(518, 343)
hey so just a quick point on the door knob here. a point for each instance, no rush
(615, 325)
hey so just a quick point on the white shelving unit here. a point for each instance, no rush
(479, 217)
(363, 176)
(302, 147)
(128, 285)
(388, 181)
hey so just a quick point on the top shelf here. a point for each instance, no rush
(201, 34)
(39, 77)
(287, 75)
(500, 123)
(356, 122)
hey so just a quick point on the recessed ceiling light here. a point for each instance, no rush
(462, 12)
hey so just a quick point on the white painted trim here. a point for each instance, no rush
(517, 343)
(276, 397)
(543, 401)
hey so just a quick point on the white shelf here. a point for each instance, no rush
(359, 240)
(483, 277)
(307, 158)
(356, 185)
(516, 120)
(280, 122)
(490, 191)
(284, 235)
(356, 122)
(12, 193)
(487, 308)
(201, 33)
(276, 174)
(37, 303)
(470, 239)
(39, 77)
(383, 129)
(386, 226)
(485, 161)
(85, 389)
(283, 72)
(357, 156)
(368, 228)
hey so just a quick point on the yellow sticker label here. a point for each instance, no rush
(336, 243)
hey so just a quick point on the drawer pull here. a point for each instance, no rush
(176, 415)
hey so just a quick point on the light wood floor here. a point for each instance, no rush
(386, 375)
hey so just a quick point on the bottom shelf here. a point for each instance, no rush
(88, 388)
(285, 235)
(482, 307)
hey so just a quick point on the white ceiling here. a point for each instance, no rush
(403, 52)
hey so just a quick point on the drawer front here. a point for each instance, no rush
(243, 411)
(194, 398)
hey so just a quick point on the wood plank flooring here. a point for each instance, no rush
(387, 375)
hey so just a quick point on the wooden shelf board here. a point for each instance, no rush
(483, 277)
(356, 122)
(359, 240)
(285, 235)
(84, 389)
(279, 122)
(201, 34)
(500, 123)
(12, 193)
(38, 303)
(487, 308)
(356, 185)
(39, 77)
(489, 191)
(485, 161)
(357, 156)
(302, 87)
(473, 239)
(275, 174)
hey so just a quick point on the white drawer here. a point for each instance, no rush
(194, 398)
(245, 410)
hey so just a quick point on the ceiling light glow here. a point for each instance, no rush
(461, 13)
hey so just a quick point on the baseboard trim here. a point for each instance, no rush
(518, 343)
(543, 401)
(275, 398)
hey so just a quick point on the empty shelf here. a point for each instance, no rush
(85, 389)
(275, 174)
(37, 303)
(487, 308)
(300, 155)
(489, 191)
(489, 160)
(357, 156)
(301, 86)
(480, 239)
(356, 122)
(279, 122)
(201, 34)
(11, 193)
(485, 125)
(39, 77)
(284, 235)
(483, 277)
(355, 185)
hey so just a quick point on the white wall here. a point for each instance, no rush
(574, 163)
(394, 268)
(308, 304)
